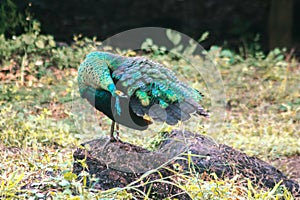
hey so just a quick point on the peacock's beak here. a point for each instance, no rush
(148, 119)
(121, 94)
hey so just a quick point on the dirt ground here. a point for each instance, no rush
(289, 166)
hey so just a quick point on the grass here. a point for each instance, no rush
(265, 109)
(39, 132)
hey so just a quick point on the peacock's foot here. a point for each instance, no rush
(114, 139)
(110, 140)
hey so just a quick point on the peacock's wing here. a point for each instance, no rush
(103, 101)
(155, 91)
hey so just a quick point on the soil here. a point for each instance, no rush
(290, 166)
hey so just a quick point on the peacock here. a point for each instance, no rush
(134, 91)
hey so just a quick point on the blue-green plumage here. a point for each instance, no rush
(136, 88)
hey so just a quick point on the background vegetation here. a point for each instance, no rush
(232, 21)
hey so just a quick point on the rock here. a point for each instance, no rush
(118, 164)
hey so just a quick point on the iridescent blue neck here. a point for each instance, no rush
(113, 60)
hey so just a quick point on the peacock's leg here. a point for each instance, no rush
(112, 130)
(117, 130)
